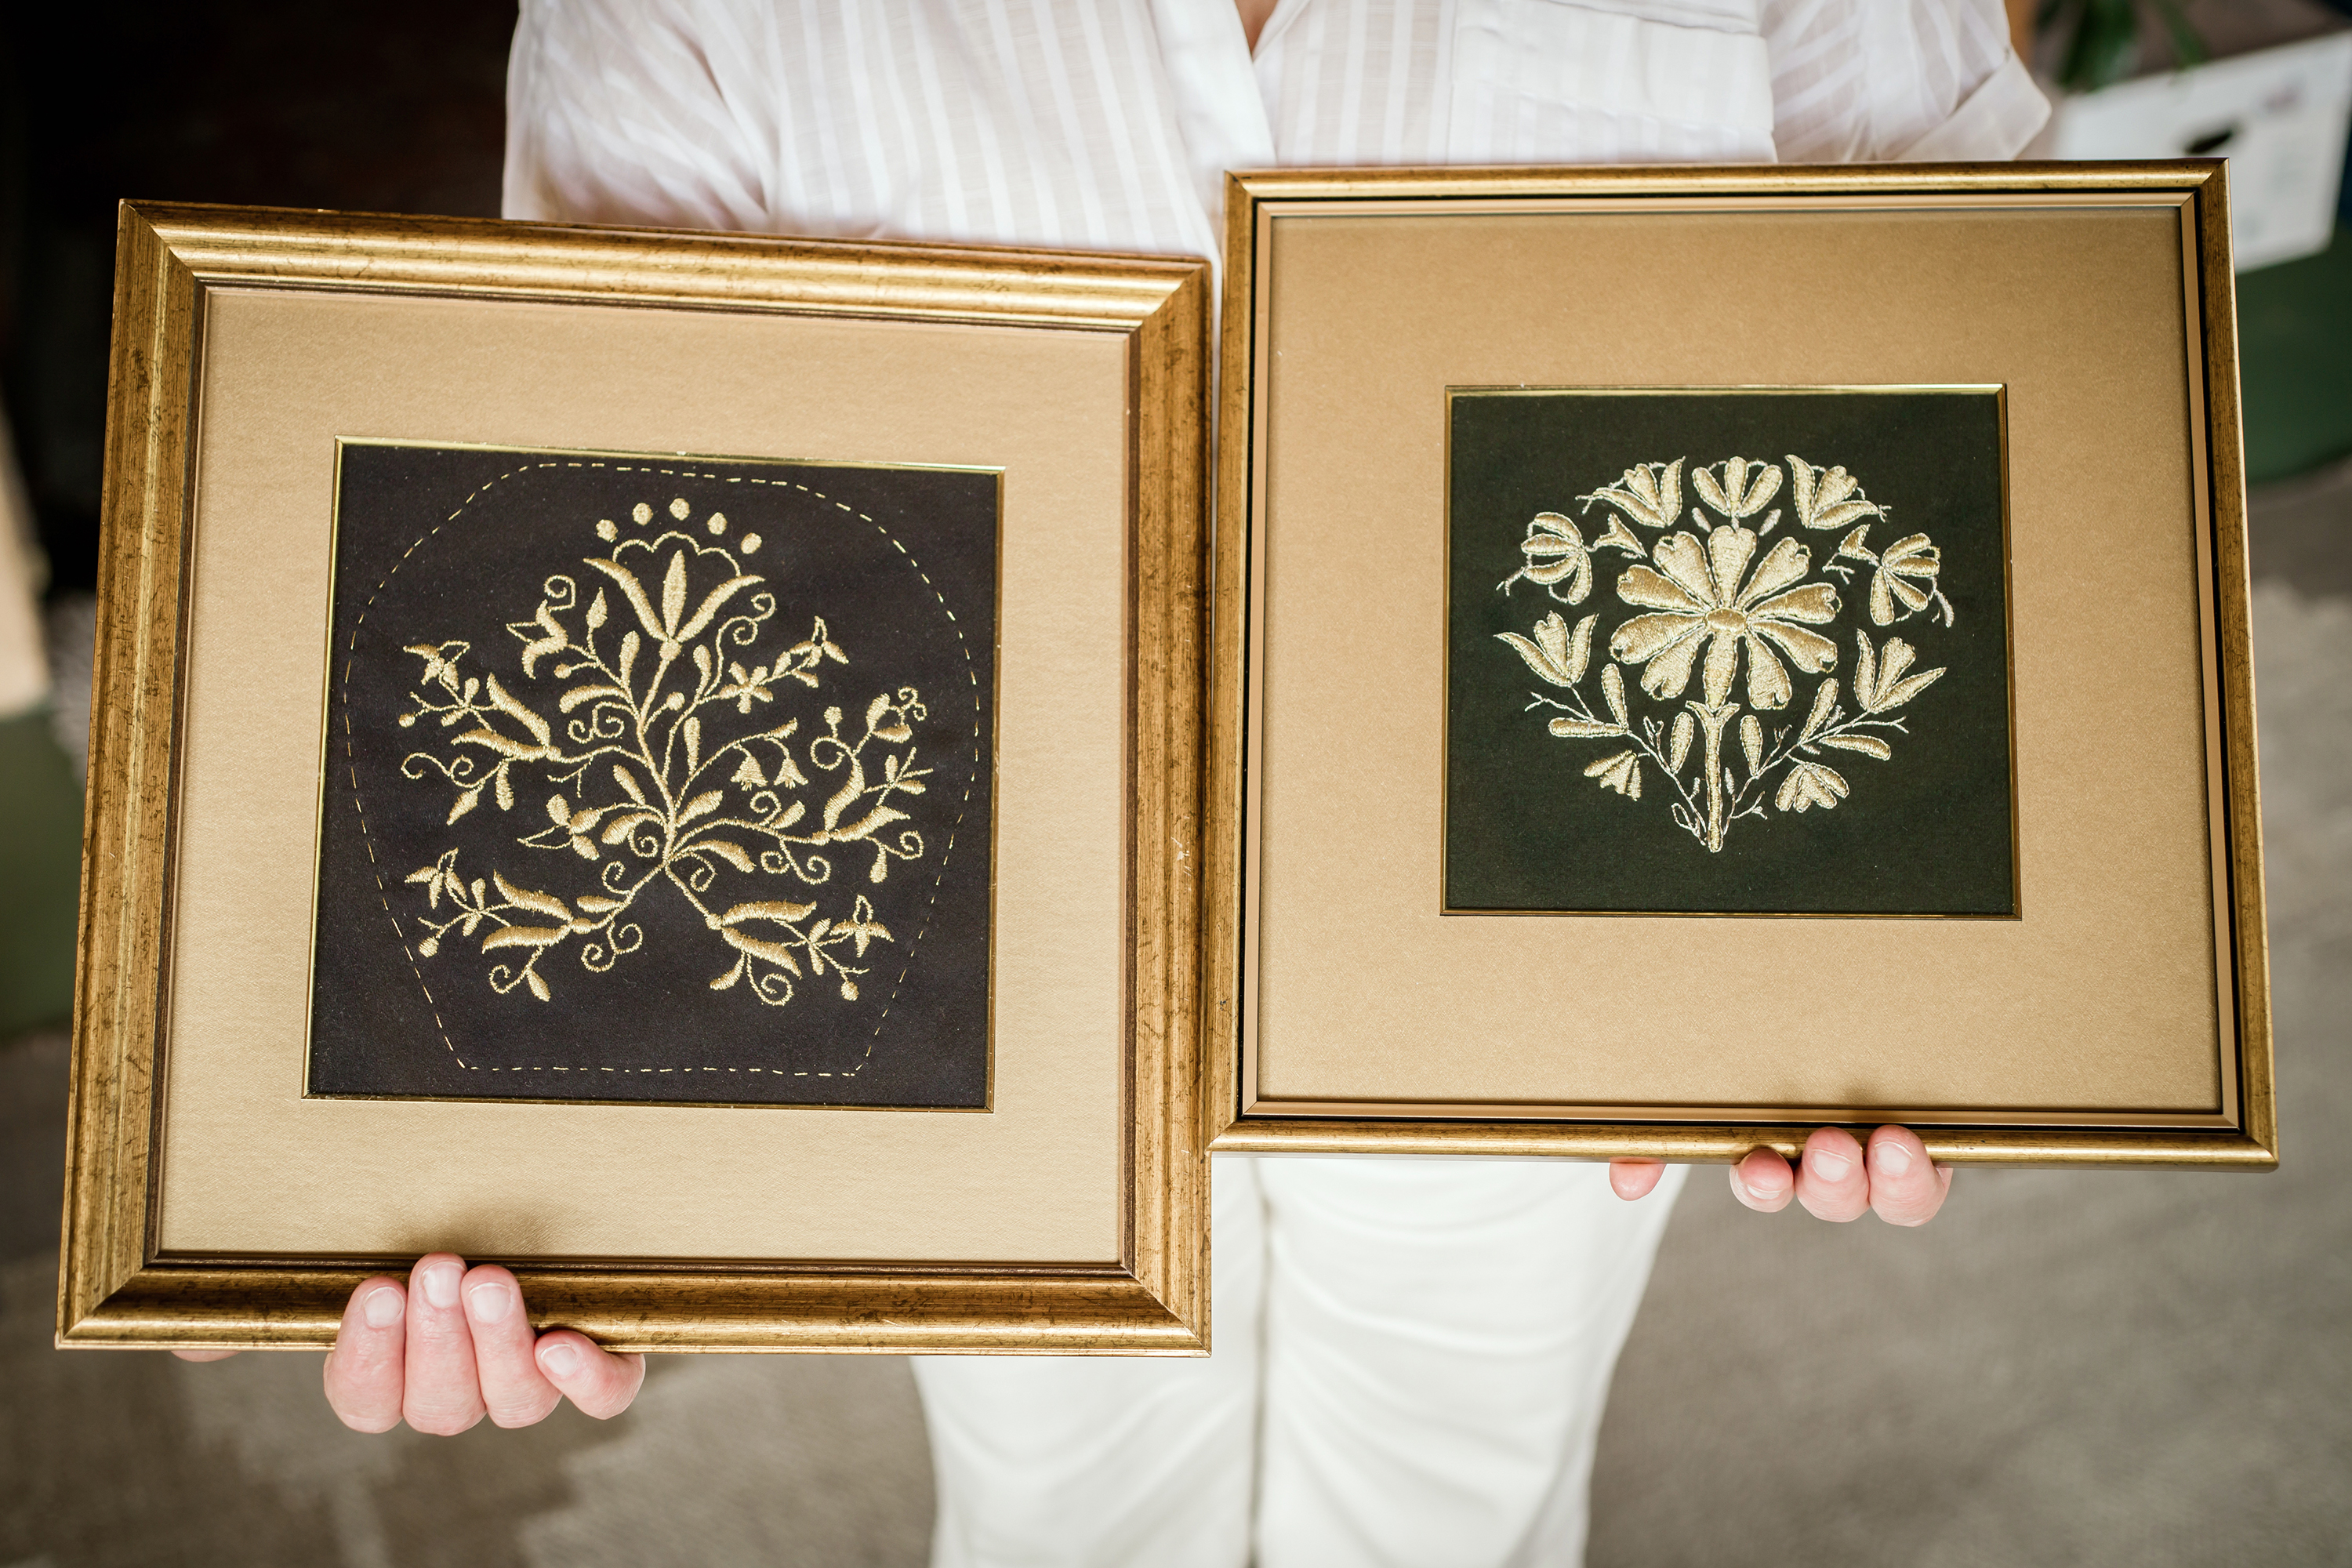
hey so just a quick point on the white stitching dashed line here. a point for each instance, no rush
(964, 808)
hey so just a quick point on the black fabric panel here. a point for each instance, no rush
(438, 547)
(1927, 831)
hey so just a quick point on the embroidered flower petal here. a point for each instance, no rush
(1810, 651)
(1783, 564)
(1669, 673)
(1642, 586)
(1768, 683)
(1644, 637)
(1684, 562)
(1551, 636)
(1722, 663)
(1815, 604)
(1728, 550)
(1893, 660)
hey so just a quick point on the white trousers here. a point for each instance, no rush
(1410, 1362)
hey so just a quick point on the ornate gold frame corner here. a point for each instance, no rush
(115, 1290)
(1253, 201)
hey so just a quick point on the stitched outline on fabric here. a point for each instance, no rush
(895, 716)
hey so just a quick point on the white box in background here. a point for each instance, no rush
(2279, 115)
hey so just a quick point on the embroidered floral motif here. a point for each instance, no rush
(1710, 605)
(637, 787)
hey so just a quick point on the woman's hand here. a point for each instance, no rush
(1834, 1181)
(455, 1344)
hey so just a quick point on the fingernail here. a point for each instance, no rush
(440, 1282)
(490, 1303)
(381, 1308)
(1826, 1166)
(560, 1359)
(1891, 1157)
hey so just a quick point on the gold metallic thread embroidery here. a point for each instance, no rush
(632, 788)
(1707, 593)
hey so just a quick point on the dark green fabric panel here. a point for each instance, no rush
(40, 874)
(1927, 832)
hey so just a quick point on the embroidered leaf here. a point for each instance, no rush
(1905, 691)
(596, 611)
(879, 817)
(1613, 691)
(693, 728)
(1678, 747)
(1868, 745)
(628, 783)
(765, 910)
(529, 720)
(538, 903)
(1580, 645)
(628, 822)
(711, 605)
(673, 603)
(504, 746)
(773, 952)
(851, 788)
(1751, 742)
(1583, 730)
(465, 803)
(730, 978)
(732, 854)
(702, 804)
(1824, 707)
(634, 592)
(525, 936)
(579, 694)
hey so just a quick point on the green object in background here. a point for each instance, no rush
(2103, 38)
(40, 874)
(2295, 352)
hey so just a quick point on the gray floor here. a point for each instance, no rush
(2115, 1368)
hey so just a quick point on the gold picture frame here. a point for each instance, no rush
(2113, 1012)
(213, 1201)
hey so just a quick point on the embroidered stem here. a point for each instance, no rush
(1712, 718)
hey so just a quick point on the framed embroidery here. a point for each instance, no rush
(666, 760)
(1727, 647)
(657, 780)
(1706, 653)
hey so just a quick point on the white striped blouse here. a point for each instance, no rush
(1108, 124)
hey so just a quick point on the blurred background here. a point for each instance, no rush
(2065, 1368)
